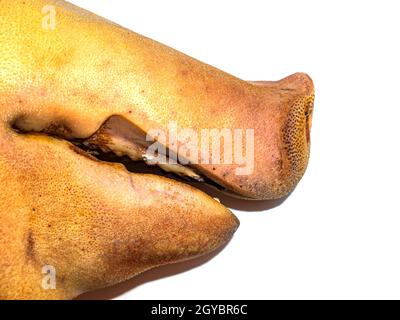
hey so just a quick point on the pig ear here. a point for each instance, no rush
(98, 224)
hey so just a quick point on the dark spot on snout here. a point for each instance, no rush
(30, 246)
(279, 164)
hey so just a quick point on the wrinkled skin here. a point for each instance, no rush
(95, 222)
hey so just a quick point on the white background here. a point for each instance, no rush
(338, 234)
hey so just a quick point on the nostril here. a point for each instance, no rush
(308, 115)
(308, 129)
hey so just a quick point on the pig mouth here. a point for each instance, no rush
(120, 141)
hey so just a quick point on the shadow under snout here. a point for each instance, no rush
(149, 276)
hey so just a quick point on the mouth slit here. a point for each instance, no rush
(144, 168)
(119, 141)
